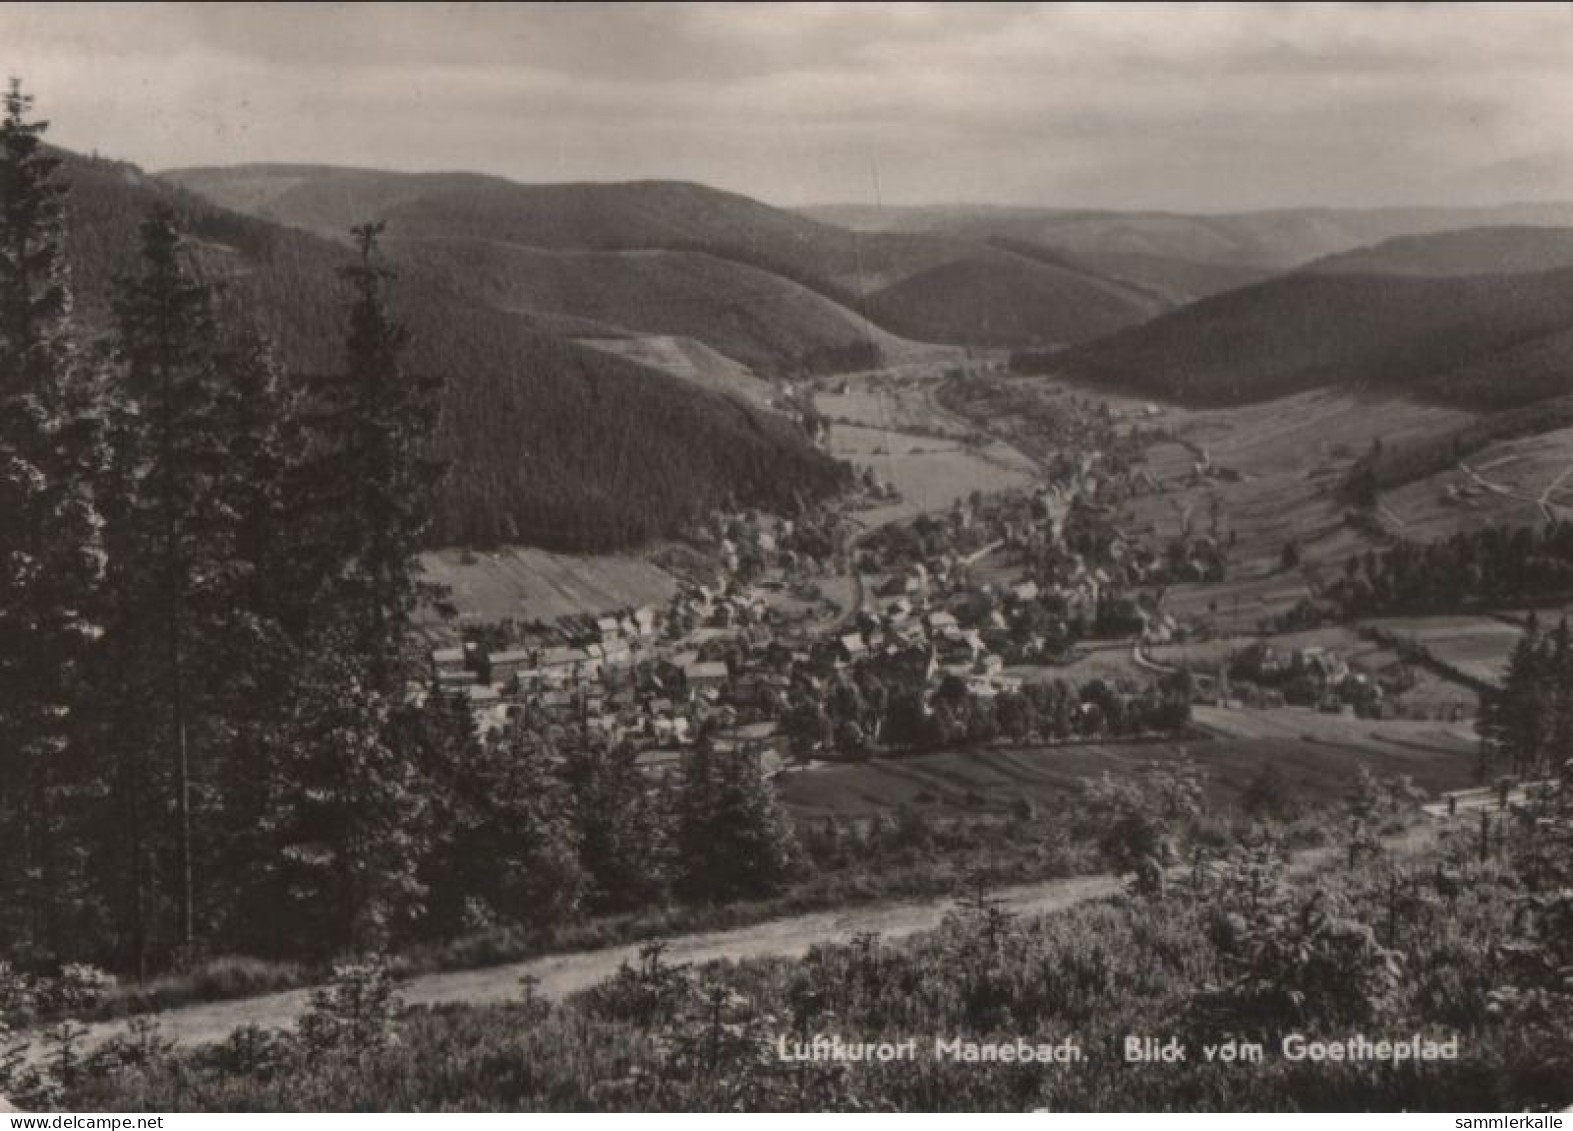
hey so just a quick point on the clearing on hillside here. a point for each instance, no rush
(528, 584)
(692, 361)
(1521, 482)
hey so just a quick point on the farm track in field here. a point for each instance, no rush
(1548, 507)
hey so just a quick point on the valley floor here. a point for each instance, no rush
(1319, 755)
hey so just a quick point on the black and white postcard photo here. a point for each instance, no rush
(771, 557)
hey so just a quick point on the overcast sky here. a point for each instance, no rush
(1207, 107)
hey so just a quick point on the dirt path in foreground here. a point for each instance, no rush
(563, 974)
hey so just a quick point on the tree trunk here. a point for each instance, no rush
(183, 876)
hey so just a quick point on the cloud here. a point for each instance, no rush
(1202, 106)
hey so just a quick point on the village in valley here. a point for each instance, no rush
(1028, 612)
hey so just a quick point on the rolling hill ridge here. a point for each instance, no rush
(901, 279)
(1514, 250)
(549, 442)
(1480, 341)
(1269, 241)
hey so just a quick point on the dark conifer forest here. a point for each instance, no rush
(546, 441)
(208, 574)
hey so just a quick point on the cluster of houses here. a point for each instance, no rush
(750, 546)
(717, 659)
(653, 677)
(550, 673)
(958, 600)
(713, 661)
(644, 677)
(1304, 677)
(1061, 569)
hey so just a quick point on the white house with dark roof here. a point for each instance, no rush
(703, 675)
(448, 659)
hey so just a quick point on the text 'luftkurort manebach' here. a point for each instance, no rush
(1135, 1050)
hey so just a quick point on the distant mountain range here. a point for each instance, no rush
(1271, 241)
(793, 292)
(561, 444)
(960, 288)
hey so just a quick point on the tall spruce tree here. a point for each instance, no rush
(619, 829)
(269, 629)
(733, 839)
(175, 533)
(376, 480)
(50, 555)
(1515, 722)
(512, 853)
(1559, 675)
(346, 819)
(262, 413)
(346, 791)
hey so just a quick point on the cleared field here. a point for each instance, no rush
(1303, 724)
(1112, 661)
(1319, 761)
(1169, 461)
(1282, 463)
(1118, 402)
(1319, 429)
(692, 361)
(930, 473)
(1517, 482)
(1537, 466)
(905, 407)
(529, 584)
(1423, 512)
(1323, 428)
(1290, 452)
(1237, 605)
(1547, 614)
(1477, 646)
(1256, 518)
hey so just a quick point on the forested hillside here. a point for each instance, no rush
(1010, 299)
(1470, 251)
(1180, 280)
(772, 325)
(1480, 341)
(548, 442)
